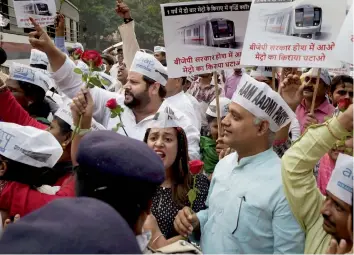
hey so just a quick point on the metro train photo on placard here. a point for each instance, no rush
(302, 20)
(212, 32)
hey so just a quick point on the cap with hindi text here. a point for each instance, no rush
(341, 181)
(64, 113)
(158, 49)
(29, 145)
(38, 58)
(38, 77)
(149, 66)
(224, 107)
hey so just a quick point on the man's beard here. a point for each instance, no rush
(139, 101)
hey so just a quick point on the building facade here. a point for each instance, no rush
(14, 40)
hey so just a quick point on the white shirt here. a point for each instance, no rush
(198, 109)
(70, 84)
(181, 102)
(295, 129)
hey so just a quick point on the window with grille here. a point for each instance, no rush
(4, 10)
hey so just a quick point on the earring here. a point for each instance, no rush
(64, 146)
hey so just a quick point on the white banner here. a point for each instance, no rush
(204, 36)
(293, 33)
(263, 102)
(43, 11)
(345, 39)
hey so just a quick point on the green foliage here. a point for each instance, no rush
(99, 18)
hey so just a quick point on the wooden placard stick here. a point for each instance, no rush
(217, 103)
(315, 91)
(274, 69)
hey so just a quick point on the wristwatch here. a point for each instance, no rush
(126, 21)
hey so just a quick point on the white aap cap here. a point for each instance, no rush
(313, 72)
(341, 181)
(158, 49)
(109, 79)
(29, 145)
(82, 65)
(64, 113)
(224, 107)
(149, 66)
(36, 76)
(78, 46)
(166, 118)
(264, 103)
(262, 71)
(38, 58)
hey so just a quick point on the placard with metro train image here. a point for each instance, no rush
(293, 33)
(204, 36)
(43, 11)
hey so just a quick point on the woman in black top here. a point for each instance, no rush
(171, 196)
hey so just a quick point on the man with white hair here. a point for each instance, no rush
(246, 201)
(144, 92)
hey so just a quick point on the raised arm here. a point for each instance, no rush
(127, 32)
(300, 187)
(68, 81)
(59, 39)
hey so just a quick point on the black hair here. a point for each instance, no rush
(33, 176)
(149, 82)
(163, 53)
(65, 128)
(181, 177)
(39, 66)
(109, 59)
(130, 197)
(184, 81)
(340, 79)
(39, 108)
(210, 119)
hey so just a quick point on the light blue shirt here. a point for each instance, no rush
(60, 44)
(247, 209)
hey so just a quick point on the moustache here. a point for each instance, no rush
(309, 87)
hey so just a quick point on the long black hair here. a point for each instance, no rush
(181, 177)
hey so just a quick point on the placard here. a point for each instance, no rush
(293, 33)
(43, 11)
(345, 39)
(204, 36)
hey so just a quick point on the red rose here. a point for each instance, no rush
(195, 166)
(343, 104)
(92, 56)
(112, 104)
(77, 54)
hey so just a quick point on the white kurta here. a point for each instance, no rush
(70, 84)
(181, 102)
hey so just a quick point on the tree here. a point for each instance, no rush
(148, 21)
(99, 19)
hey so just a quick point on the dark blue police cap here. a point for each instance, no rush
(120, 156)
(70, 226)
